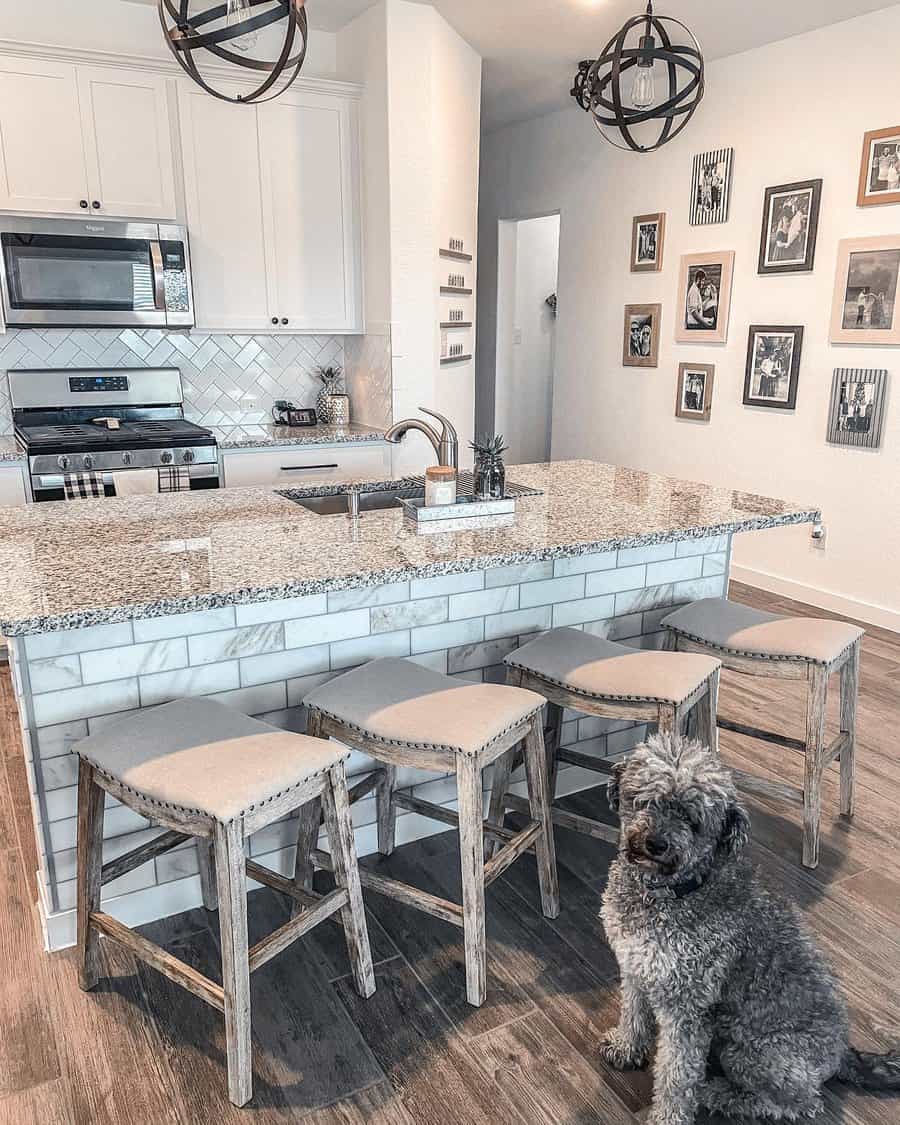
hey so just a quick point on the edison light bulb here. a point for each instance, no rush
(235, 13)
(643, 92)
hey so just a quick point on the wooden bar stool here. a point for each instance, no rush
(200, 769)
(405, 715)
(577, 670)
(756, 643)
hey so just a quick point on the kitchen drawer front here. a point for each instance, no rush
(12, 486)
(296, 466)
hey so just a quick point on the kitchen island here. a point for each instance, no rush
(246, 596)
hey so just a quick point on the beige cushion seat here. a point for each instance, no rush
(743, 631)
(400, 702)
(199, 756)
(593, 666)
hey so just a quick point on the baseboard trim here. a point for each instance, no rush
(824, 599)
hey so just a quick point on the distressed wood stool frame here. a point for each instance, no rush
(817, 753)
(477, 874)
(224, 872)
(699, 705)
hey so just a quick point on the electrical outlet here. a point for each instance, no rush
(819, 536)
(517, 335)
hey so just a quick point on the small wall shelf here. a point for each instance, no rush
(458, 292)
(456, 255)
(456, 324)
(446, 359)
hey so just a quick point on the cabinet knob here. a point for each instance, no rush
(284, 320)
(274, 319)
(96, 204)
(83, 203)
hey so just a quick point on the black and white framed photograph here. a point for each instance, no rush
(640, 344)
(648, 234)
(879, 173)
(704, 297)
(695, 391)
(866, 292)
(711, 186)
(856, 414)
(773, 366)
(790, 227)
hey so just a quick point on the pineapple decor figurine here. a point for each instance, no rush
(332, 378)
(490, 472)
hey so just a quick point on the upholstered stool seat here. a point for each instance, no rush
(756, 643)
(200, 769)
(404, 715)
(574, 669)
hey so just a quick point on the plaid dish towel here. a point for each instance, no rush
(83, 486)
(174, 480)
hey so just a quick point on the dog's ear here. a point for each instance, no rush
(612, 786)
(735, 830)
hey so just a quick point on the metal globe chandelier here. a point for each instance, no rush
(633, 54)
(230, 31)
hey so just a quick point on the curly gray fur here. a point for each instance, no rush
(712, 964)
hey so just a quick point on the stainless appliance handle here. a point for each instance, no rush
(159, 276)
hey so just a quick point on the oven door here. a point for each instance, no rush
(61, 273)
(51, 486)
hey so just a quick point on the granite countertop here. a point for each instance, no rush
(9, 449)
(84, 562)
(261, 437)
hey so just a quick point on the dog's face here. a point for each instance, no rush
(678, 807)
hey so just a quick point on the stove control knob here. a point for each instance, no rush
(166, 457)
(127, 458)
(63, 462)
(188, 456)
(88, 461)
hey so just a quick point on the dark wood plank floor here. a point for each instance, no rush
(142, 1052)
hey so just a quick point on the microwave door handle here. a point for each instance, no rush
(159, 277)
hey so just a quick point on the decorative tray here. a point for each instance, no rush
(466, 507)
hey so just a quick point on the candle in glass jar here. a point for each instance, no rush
(440, 486)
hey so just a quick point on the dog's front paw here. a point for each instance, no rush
(620, 1054)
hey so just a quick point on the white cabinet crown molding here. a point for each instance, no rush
(164, 66)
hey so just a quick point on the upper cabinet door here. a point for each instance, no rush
(42, 163)
(310, 187)
(220, 144)
(128, 143)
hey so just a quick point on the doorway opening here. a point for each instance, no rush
(528, 271)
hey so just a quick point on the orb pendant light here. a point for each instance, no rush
(230, 31)
(644, 75)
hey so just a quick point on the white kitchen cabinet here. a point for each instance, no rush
(12, 485)
(76, 136)
(294, 466)
(273, 203)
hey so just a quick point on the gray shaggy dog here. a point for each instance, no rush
(725, 971)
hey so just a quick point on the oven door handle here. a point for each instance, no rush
(159, 276)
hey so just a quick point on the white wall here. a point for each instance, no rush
(790, 111)
(526, 336)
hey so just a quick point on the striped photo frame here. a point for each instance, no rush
(711, 186)
(856, 415)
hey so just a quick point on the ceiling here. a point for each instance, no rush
(531, 48)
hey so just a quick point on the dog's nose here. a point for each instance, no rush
(656, 846)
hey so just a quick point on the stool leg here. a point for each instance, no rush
(553, 738)
(339, 826)
(91, 800)
(849, 696)
(307, 838)
(502, 771)
(207, 859)
(231, 879)
(471, 847)
(539, 798)
(667, 719)
(386, 810)
(815, 746)
(705, 715)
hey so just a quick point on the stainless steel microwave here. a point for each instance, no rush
(71, 273)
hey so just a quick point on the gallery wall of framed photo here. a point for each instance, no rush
(797, 251)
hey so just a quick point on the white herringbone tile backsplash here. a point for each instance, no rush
(229, 381)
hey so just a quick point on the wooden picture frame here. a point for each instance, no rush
(684, 408)
(640, 263)
(711, 179)
(856, 411)
(773, 365)
(877, 146)
(640, 339)
(866, 306)
(699, 327)
(790, 227)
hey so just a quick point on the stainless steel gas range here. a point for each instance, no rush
(106, 423)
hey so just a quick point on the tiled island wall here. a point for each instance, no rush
(264, 657)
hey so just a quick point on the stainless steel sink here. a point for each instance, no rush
(338, 503)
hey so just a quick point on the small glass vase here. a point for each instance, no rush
(490, 479)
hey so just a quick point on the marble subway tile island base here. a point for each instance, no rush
(259, 605)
